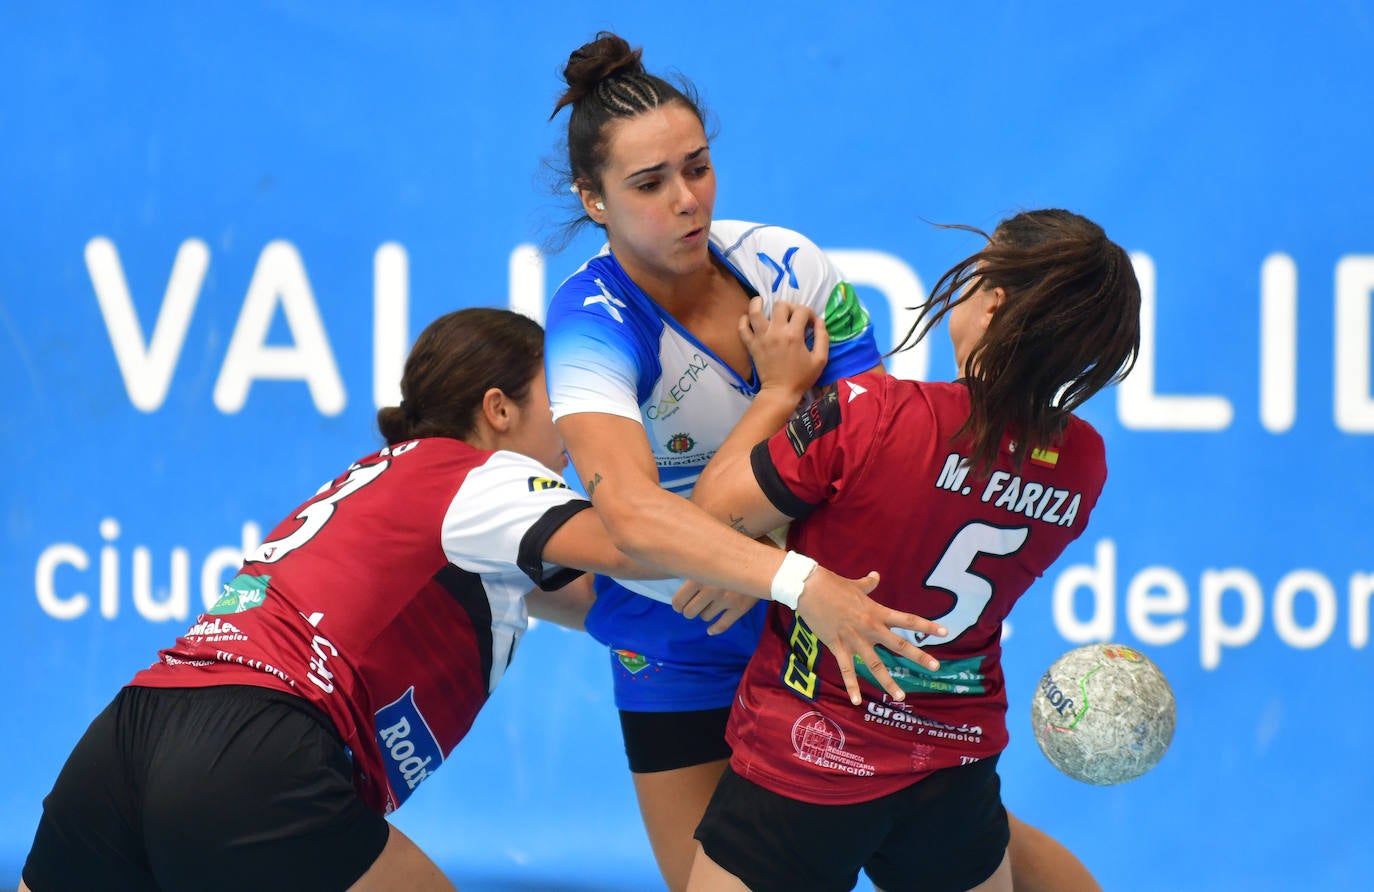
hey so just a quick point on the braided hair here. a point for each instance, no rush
(606, 81)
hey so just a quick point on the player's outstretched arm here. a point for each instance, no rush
(848, 622)
(650, 524)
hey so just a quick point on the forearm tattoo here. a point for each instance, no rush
(592, 484)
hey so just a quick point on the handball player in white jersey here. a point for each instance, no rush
(647, 374)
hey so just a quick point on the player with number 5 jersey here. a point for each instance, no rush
(961, 495)
(971, 549)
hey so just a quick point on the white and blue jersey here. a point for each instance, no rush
(610, 348)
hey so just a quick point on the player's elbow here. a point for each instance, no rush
(623, 566)
(637, 540)
(631, 523)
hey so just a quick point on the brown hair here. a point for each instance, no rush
(606, 80)
(1068, 327)
(455, 361)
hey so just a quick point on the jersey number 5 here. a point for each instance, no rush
(954, 573)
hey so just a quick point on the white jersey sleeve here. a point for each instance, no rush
(591, 357)
(783, 264)
(504, 513)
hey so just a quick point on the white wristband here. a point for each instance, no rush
(791, 578)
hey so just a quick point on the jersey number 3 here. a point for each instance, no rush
(316, 513)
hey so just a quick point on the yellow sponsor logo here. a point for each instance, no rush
(799, 673)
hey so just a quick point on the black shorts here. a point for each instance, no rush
(947, 832)
(220, 788)
(662, 741)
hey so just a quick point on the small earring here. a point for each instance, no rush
(600, 207)
(573, 189)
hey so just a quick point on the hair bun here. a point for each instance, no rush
(606, 56)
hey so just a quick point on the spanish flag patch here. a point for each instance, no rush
(1048, 458)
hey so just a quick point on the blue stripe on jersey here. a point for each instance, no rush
(850, 358)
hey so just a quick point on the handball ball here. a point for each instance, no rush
(1103, 714)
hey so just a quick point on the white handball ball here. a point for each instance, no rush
(1103, 714)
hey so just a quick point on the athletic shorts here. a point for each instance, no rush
(663, 662)
(947, 832)
(219, 788)
(662, 741)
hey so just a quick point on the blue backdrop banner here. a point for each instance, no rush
(223, 223)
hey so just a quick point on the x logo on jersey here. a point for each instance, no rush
(605, 297)
(784, 269)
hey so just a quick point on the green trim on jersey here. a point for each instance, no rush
(845, 317)
(953, 677)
